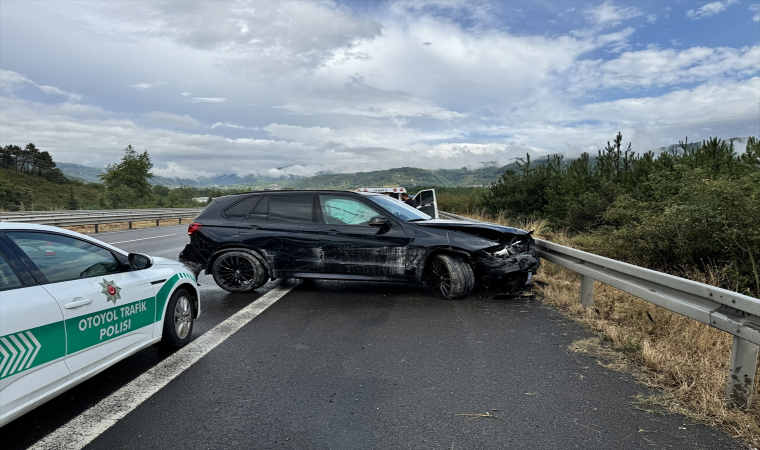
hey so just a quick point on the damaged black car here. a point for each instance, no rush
(244, 240)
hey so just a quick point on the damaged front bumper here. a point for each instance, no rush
(496, 266)
(192, 259)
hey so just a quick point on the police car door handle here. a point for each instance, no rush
(78, 303)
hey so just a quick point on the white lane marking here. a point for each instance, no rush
(84, 428)
(141, 239)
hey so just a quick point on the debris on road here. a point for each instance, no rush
(487, 415)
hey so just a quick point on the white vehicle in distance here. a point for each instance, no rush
(72, 306)
(425, 199)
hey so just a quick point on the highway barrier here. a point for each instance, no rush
(98, 217)
(734, 313)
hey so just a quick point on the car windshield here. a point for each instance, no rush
(398, 208)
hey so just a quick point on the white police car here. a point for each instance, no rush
(71, 306)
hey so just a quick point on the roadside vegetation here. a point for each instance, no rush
(30, 181)
(694, 212)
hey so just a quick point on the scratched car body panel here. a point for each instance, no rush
(347, 236)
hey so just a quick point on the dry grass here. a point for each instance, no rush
(686, 360)
(87, 229)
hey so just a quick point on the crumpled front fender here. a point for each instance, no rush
(494, 268)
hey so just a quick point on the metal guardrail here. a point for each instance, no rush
(734, 313)
(98, 217)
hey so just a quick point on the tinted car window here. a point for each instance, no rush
(345, 211)
(8, 278)
(62, 258)
(262, 210)
(241, 209)
(291, 208)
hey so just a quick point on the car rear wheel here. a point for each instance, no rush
(239, 272)
(178, 320)
(449, 277)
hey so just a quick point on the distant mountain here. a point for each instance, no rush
(482, 174)
(90, 175)
(80, 172)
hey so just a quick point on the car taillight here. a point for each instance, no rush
(193, 228)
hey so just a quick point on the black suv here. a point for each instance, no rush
(244, 240)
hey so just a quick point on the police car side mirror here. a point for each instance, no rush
(138, 261)
(379, 221)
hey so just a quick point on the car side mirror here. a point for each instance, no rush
(379, 221)
(138, 261)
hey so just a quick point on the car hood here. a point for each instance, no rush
(485, 230)
(159, 261)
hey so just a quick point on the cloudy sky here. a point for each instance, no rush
(269, 87)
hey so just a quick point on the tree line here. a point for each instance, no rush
(29, 179)
(696, 206)
(29, 160)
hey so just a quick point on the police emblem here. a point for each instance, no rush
(111, 290)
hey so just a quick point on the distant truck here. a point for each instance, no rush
(425, 199)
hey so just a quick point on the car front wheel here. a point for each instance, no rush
(178, 320)
(449, 277)
(239, 272)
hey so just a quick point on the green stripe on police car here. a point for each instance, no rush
(30, 348)
(92, 329)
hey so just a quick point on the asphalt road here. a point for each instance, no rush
(339, 365)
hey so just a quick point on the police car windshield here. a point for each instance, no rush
(399, 209)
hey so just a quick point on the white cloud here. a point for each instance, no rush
(608, 14)
(174, 170)
(11, 81)
(756, 9)
(174, 120)
(246, 35)
(709, 9)
(356, 97)
(232, 125)
(208, 100)
(361, 100)
(145, 86)
(658, 68)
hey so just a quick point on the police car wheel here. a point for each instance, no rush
(239, 272)
(178, 320)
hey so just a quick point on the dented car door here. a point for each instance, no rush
(353, 248)
(283, 227)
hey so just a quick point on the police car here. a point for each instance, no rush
(71, 306)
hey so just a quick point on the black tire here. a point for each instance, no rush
(179, 319)
(239, 272)
(449, 277)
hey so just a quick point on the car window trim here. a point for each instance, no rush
(17, 268)
(36, 272)
(239, 201)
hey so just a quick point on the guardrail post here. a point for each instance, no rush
(96, 227)
(587, 291)
(157, 220)
(180, 220)
(130, 225)
(741, 372)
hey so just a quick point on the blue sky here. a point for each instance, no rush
(268, 87)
